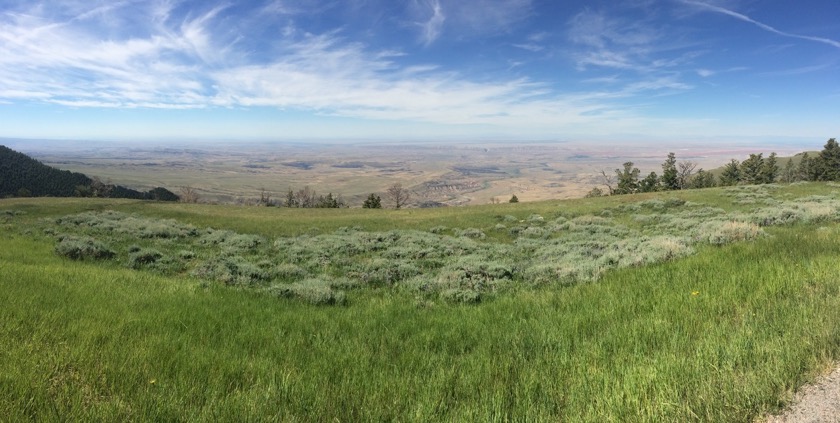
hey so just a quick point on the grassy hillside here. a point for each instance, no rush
(721, 331)
(781, 162)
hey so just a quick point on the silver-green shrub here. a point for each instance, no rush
(725, 232)
(312, 291)
(81, 248)
(143, 257)
(234, 270)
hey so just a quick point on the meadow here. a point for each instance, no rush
(701, 305)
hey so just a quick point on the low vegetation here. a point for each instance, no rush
(456, 264)
(710, 305)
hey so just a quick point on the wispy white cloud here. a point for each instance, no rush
(539, 36)
(325, 75)
(530, 47)
(610, 42)
(431, 29)
(636, 52)
(766, 27)
(481, 17)
(200, 60)
(534, 42)
(705, 73)
(802, 70)
(67, 62)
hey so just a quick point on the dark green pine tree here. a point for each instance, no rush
(702, 179)
(789, 172)
(650, 183)
(731, 174)
(827, 164)
(751, 169)
(628, 179)
(769, 169)
(373, 202)
(670, 177)
(291, 200)
(804, 171)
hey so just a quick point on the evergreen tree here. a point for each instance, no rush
(804, 171)
(628, 179)
(291, 200)
(670, 176)
(789, 172)
(769, 169)
(751, 169)
(827, 165)
(650, 183)
(731, 174)
(702, 179)
(373, 202)
(329, 202)
(513, 199)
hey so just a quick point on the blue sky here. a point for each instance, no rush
(419, 69)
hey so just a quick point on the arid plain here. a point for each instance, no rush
(436, 173)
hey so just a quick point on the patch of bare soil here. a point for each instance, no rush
(818, 402)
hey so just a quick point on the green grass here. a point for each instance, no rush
(723, 335)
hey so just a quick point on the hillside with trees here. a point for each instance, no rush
(754, 170)
(23, 176)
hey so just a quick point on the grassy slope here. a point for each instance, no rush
(92, 342)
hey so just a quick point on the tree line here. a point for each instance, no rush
(307, 198)
(23, 176)
(756, 169)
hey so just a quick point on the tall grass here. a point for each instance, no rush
(724, 333)
(720, 336)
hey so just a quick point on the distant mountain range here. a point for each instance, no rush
(23, 176)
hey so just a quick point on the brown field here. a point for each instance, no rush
(451, 174)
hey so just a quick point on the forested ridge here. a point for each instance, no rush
(23, 176)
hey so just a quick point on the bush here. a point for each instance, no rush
(655, 204)
(312, 291)
(290, 271)
(121, 223)
(473, 233)
(720, 233)
(509, 218)
(143, 257)
(231, 241)
(186, 254)
(535, 219)
(438, 229)
(562, 272)
(233, 271)
(83, 248)
(380, 271)
(463, 296)
(474, 273)
(534, 232)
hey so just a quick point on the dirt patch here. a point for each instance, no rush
(818, 402)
